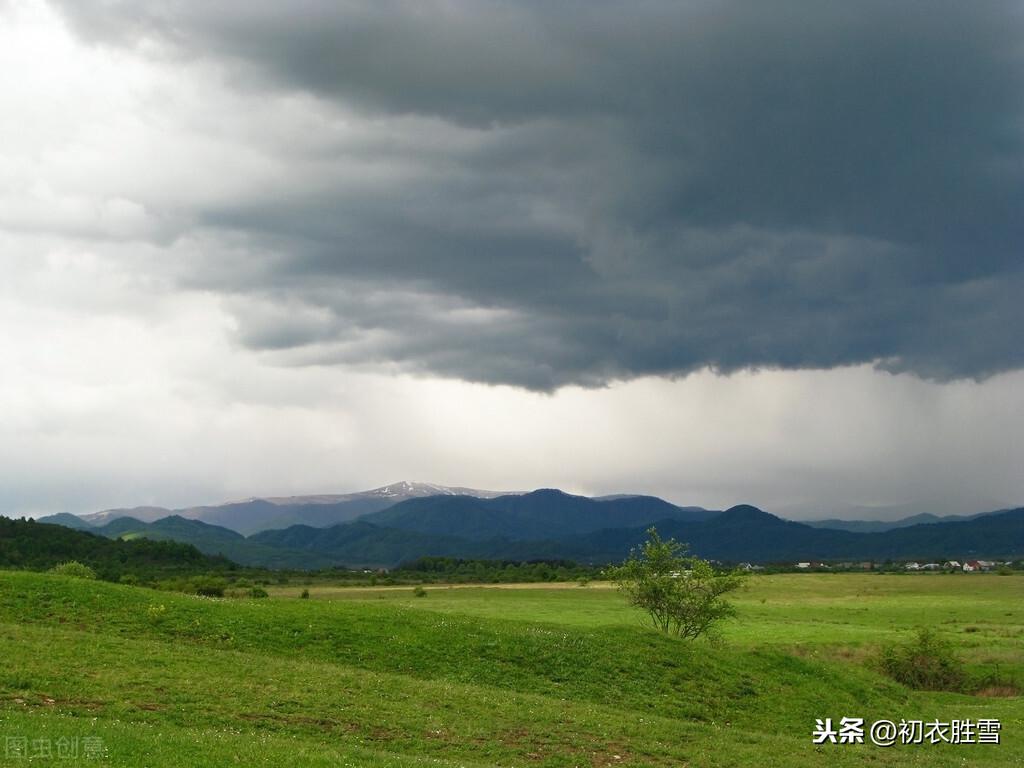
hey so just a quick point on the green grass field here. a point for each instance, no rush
(558, 675)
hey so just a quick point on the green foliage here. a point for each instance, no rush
(305, 594)
(155, 614)
(682, 595)
(419, 591)
(257, 592)
(468, 571)
(206, 585)
(76, 569)
(28, 545)
(927, 662)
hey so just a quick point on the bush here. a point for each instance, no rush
(305, 594)
(76, 569)
(682, 595)
(207, 587)
(258, 592)
(419, 591)
(130, 579)
(156, 613)
(927, 663)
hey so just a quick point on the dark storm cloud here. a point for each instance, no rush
(631, 188)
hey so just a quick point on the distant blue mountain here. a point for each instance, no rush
(319, 511)
(880, 526)
(67, 520)
(213, 540)
(542, 514)
(549, 523)
(458, 528)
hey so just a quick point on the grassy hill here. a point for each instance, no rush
(403, 682)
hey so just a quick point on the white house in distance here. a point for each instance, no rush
(978, 565)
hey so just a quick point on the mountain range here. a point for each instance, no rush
(212, 540)
(258, 514)
(404, 521)
(880, 526)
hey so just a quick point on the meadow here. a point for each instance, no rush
(534, 675)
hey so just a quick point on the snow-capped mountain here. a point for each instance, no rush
(396, 491)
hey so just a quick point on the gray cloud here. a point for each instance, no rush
(554, 193)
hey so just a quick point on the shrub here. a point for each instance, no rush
(682, 595)
(927, 662)
(258, 592)
(156, 613)
(207, 587)
(419, 591)
(76, 569)
(130, 579)
(305, 594)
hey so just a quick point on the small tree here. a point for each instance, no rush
(681, 594)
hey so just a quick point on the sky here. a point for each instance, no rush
(721, 252)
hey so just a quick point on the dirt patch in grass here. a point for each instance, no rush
(998, 691)
(320, 722)
(606, 756)
(46, 701)
(616, 755)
